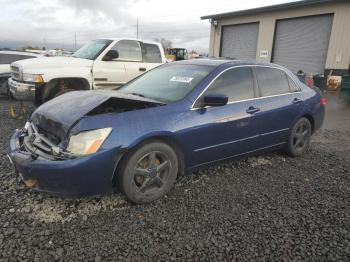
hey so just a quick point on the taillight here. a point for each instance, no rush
(323, 101)
(310, 81)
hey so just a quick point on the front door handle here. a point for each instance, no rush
(296, 101)
(252, 110)
(142, 69)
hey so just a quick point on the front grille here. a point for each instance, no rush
(38, 144)
(15, 72)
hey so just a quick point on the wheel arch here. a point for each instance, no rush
(167, 138)
(311, 120)
(72, 82)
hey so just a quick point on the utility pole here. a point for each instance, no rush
(75, 41)
(137, 29)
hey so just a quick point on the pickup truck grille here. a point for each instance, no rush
(15, 72)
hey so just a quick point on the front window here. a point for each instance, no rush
(129, 50)
(168, 83)
(92, 50)
(237, 84)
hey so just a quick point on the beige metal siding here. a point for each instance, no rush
(338, 55)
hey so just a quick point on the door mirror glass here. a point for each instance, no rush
(111, 55)
(214, 99)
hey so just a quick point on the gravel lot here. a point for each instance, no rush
(266, 208)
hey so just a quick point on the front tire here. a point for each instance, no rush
(63, 91)
(148, 172)
(299, 138)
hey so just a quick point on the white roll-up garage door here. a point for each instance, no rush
(239, 41)
(302, 43)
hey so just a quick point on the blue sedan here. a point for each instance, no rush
(176, 118)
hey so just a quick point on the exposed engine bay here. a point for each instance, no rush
(118, 105)
(42, 136)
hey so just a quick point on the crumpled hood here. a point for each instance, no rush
(60, 114)
(41, 64)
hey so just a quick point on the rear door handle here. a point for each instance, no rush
(142, 69)
(252, 110)
(296, 101)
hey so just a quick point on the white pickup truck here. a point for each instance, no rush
(102, 63)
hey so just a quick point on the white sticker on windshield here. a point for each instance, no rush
(182, 79)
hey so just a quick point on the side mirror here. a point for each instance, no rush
(110, 55)
(213, 99)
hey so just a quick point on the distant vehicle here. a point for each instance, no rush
(6, 58)
(177, 117)
(177, 54)
(100, 64)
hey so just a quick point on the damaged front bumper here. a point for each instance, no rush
(72, 177)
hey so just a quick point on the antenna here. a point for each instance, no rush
(137, 29)
(75, 41)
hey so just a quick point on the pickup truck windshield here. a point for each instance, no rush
(93, 49)
(169, 83)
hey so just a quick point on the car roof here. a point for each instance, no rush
(20, 53)
(132, 39)
(226, 62)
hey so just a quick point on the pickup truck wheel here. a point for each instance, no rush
(148, 172)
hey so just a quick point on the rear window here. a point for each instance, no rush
(9, 58)
(152, 53)
(272, 81)
(292, 85)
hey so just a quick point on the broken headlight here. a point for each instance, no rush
(88, 142)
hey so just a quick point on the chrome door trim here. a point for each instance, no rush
(241, 154)
(240, 140)
(250, 99)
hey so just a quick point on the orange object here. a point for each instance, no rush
(94, 147)
(30, 183)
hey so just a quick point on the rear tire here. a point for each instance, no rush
(148, 172)
(299, 138)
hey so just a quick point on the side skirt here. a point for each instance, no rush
(245, 154)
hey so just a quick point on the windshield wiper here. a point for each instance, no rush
(141, 95)
(137, 94)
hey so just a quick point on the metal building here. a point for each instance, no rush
(310, 35)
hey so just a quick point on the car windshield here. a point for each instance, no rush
(92, 50)
(169, 83)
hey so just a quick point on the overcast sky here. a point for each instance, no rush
(56, 21)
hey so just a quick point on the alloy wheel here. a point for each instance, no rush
(151, 171)
(301, 136)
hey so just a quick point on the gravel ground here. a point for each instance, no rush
(265, 208)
